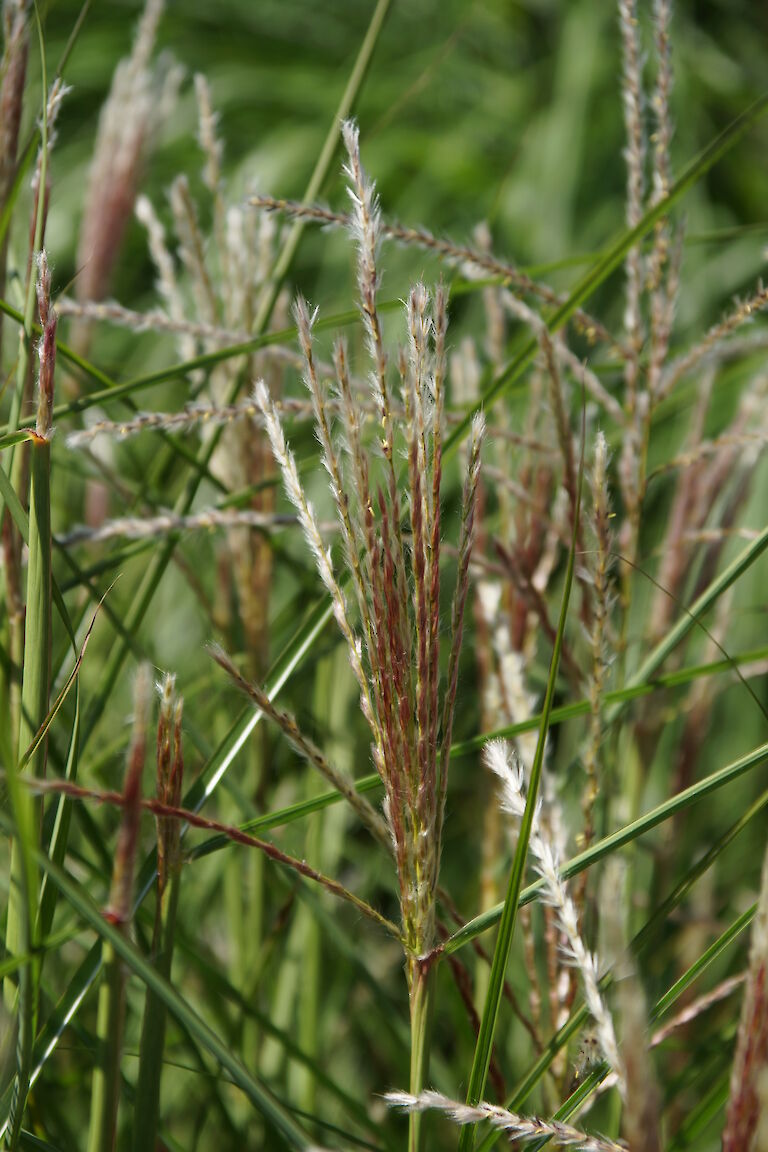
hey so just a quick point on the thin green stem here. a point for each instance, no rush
(21, 932)
(147, 1105)
(105, 1087)
(422, 987)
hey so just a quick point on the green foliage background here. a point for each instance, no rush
(508, 113)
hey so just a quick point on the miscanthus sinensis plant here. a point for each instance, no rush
(394, 573)
(591, 563)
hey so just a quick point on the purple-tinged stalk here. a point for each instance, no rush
(411, 809)
(105, 1084)
(170, 771)
(514, 1126)
(18, 463)
(357, 539)
(746, 1106)
(228, 831)
(466, 539)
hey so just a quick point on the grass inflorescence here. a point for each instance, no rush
(455, 572)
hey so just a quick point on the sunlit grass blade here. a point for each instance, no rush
(41, 733)
(60, 835)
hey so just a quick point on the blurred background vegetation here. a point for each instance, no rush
(508, 113)
(504, 112)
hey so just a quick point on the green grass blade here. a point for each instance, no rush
(719, 945)
(30, 1143)
(702, 1114)
(641, 685)
(691, 615)
(105, 1088)
(147, 1104)
(60, 1019)
(60, 835)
